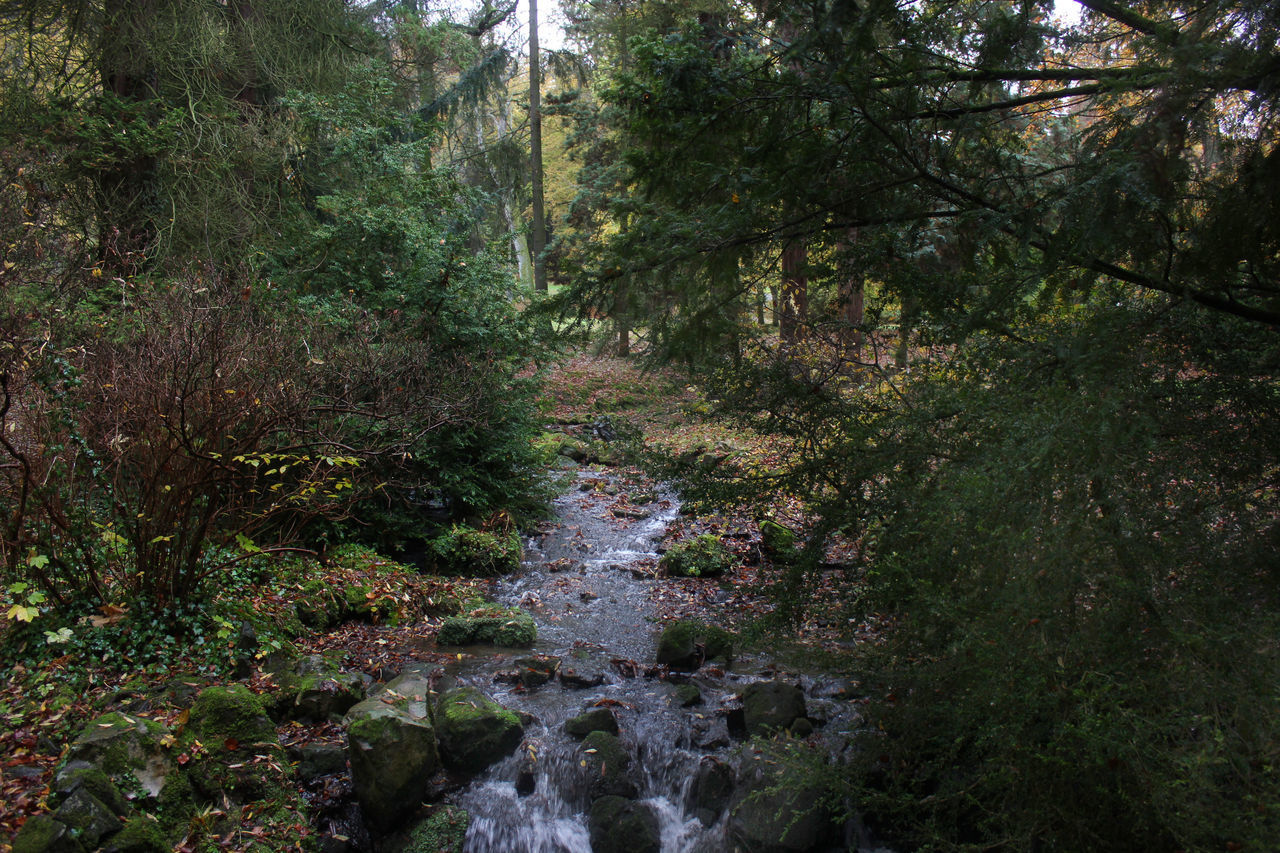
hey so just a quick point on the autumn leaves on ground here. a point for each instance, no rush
(374, 615)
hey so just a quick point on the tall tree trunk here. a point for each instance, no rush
(795, 292)
(539, 242)
(852, 297)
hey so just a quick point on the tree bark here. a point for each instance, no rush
(539, 241)
(795, 292)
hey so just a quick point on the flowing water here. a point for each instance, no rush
(591, 610)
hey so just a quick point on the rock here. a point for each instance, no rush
(801, 727)
(314, 760)
(686, 645)
(778, 542)
(607, 762)
(77, 776)
(475, 731)
(630, 512)
(776, 808)
(141, 834)
(442, 831)
(594, 720)
(576, 680)
(687, 695)
(770, 706)
(495, 627)
(537, 670)
(232, 713)
(393, 756)
(128, 749)
(712, 790)
(89, 818)
(43, 834)
(314, 688)
(619, 825)
(698, 557)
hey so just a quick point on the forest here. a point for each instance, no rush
(965, 312)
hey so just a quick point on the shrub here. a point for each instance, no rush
(700, 557)
(469, 552)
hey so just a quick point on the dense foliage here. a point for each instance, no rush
(240, 304)
(1025, 279)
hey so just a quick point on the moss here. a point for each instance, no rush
(443, 831)
(93, 780)
(475, 731)
(687, 644)
(497, 627)
(222, 715)
(141, 834)
(778, 542)
(176, 805)
(475, 553)
(42, 834)
(699, 557)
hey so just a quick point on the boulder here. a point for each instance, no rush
(391, 746)
(494, 626)
(314, 760)
(594, 720)
(777, 807)
(89, 818)
(44, 834)
(231, 714)
(687, 695)
(698, 557)
(537, 670)
(77, 776)
(778, 542)
(315, 688)
(475, 731)
(575, 680)
(712, 789)
(141, 834)
(619, 825)
(127, 749)
(686, 645)
(770, 706)
(606, 766)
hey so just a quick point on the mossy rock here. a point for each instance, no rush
(73, 777)
(127, 749)
(771, 706)
(687, 644)
(593, 720)
(777, 806)
(43, 834)
(222, 715)
(698, 557)
(619, 825)
(607, 761)
(687, 695)
(778, 542)
(443, 831)
(393, 755)
(315, 688)
(89, 818)
(508, 627)
(474, 731)
(320, 606)
(141, 834)
(363, 605)
(468, 552)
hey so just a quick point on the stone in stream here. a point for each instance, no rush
(776, 806)
(770, 706)
(391, 745)
(606, 762)
(619, 825)
(495, 626)
(594, 720)
(712, 789)
(536, 670)
(474, 730)
(573, 679)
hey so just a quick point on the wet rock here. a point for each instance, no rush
(537, 670)
(770, 706)
(43, 834)
(594, 720)
(712, 790)
(687, 695)
(686, 645)
(508, 627)
(776, 807)
(392, 749)
(630, 512)
(619, 825)
(580, 680)
(710, 734)
(128, 749)
(607, 762)
(475, 731)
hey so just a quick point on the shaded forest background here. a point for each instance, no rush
(1001, 292)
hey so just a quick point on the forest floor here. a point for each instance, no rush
(43, 705)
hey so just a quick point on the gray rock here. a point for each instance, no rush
(770, 706)
(88, 817)
(318, 759)
(314, 688)
(607, 762)
(127, 749)
(686, 645)
(619, 825)
(474, 730)
(712, 789)
(580, 680)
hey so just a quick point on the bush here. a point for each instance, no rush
(469, 552)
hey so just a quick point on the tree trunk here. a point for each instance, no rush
(539, 242)
(795, 292)
(852, 297)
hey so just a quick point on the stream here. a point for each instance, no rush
(591, 612)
